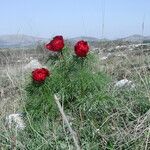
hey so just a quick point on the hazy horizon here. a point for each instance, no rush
(95, 18)
(1, 35)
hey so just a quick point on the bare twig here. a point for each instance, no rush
(67, 122)
(147, 140)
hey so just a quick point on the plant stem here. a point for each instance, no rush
(67, 122)
(61, 54)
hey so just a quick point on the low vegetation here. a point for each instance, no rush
(102, 116)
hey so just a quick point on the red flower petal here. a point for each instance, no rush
(56, 44)
(81, 48)
(39, 75)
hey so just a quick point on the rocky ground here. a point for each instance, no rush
(127, 64)
(119, 60)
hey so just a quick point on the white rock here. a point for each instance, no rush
(106, 57)
(124, 83)
(121, 46)
(117, 47)
(18, 61)
(33, 64)
(15, 120)
(121, 55)
(109, 54)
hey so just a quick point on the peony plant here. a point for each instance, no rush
(73, 77)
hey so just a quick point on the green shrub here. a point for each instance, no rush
(74, 79)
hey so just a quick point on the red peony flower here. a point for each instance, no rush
(39, 75)
(81, 48)
(56, 44)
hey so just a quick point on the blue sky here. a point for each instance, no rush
(71, 18)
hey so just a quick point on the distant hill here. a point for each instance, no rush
(7, 41)
(86, 38)
(136, 38)
(13, 41)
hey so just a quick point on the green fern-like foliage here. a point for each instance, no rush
(73, 78)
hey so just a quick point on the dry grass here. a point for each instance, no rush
(132, 65)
